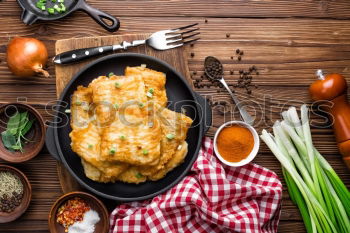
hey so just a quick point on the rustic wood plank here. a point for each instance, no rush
(64, 74)
(214, 8)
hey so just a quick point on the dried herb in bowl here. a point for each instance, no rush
(17, 127)
(11, 191)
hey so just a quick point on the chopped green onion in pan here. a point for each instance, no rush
(51, 8)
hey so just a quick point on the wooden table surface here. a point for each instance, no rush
(286, 40)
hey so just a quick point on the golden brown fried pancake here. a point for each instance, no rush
(175, 124)
(86, 136)
(132, 175)
(124, 129)
(153, 80)
(177, 158)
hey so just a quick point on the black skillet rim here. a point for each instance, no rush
(165, 188)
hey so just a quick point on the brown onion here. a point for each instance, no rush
(27, 57)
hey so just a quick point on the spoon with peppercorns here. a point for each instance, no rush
(214, 71)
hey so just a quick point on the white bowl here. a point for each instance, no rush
(252, 154)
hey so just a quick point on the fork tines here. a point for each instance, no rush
(179, 36)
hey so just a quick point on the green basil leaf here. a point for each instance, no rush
(23, 122)
(8, 139)
(27, 127)
(13, 123)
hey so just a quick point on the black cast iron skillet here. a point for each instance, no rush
(180, 95)
(31, 13)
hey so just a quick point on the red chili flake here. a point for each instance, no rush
(72, 211)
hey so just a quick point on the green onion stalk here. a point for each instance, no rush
(313, 185)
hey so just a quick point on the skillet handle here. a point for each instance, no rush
(206, 113)
(50, 143)
(100, 17)
(28, 17)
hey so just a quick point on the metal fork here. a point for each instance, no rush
(161, 40)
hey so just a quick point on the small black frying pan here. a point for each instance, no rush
(31, 13)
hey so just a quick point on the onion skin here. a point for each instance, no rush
(26, 57)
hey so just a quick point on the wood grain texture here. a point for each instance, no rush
(215, 8)
(286, 40)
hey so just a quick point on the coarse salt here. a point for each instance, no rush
(87, 225)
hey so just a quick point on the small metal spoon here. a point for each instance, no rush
(245, 115)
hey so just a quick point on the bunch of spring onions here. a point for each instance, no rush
(313, 185)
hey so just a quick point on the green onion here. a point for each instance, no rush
(90, 146)
(149, 94)
(141, 105)
(112, 151)
(313, 185)
(170, 136)
(138, 175)
(51, 10)
(110, 74)
(122, 137)
(151, 90)
(116, 106)
(145, 152)
(67, 111)
(117, 85)
(63, 7)
(78, 103)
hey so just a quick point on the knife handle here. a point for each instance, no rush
(81, 54)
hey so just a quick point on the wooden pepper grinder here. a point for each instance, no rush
(333, 88)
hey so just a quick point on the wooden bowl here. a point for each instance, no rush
(101, 227)
(27, 196)
(36, 133)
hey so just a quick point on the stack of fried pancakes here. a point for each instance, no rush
(122, 129)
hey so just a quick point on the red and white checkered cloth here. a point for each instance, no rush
(212, 198)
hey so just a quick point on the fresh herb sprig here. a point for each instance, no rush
(17, 127)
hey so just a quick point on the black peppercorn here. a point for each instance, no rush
(239, 58)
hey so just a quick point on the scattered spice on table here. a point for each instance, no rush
(235, 143)
(72, 211)
(11, 191)
(244, 81)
